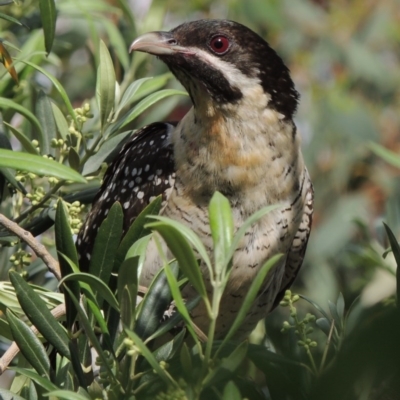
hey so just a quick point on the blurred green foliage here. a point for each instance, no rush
(344, 59)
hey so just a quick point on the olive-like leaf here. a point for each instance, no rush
(231, 392)
(45, 115)
(94, 162)
(136, 231)
(387, 155)
(66, 246)
(38, 165)
(145, 104)
(146, 353)
(61, 122)
(183, 252)
(67, 394)
(396, 253)
(25, 141)
(7, 103)
(105, 85)
(58, 87)
(48, 17)
(127, 290)
(29, 344)
(155, 303)
(180, 304)
(106, 244)
(227, 366)
(74, 159)
(40, 316)
(84, 321)
(96, 285)
(45, 383)
(221, 224)
(250, 297)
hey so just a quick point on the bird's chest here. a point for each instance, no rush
(271, 235)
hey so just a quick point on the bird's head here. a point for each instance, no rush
(224, 64)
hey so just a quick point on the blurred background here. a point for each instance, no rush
(344, 56)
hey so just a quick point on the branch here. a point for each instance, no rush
(37, 247)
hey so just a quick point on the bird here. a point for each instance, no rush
(238, 138)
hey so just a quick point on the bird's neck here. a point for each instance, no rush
(237, 154)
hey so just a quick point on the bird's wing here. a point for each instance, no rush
(143, 169)
(298, 249)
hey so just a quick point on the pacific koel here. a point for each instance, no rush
(239, 138)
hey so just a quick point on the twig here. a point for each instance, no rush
(13, 350)
(37, 247)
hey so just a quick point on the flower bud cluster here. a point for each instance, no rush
(20, 259)
(301, 327)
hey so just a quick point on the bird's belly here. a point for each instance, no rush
(273, 234)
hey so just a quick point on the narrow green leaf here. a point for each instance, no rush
(58, 87)
(324, 325)
(136, 231)
(155, 303)
(146, 103)
(146, 353)
(11, 19)
(65, 245)
(116, 41)
(390, 157)
(61, 122)
(25, 142)
(151, 85)
(316, 306)
(189, 235)
(138, 249)
(250, 297)
(231, 392)
(175, 320)
(221, 224)
(169, 349)
(6, 394)
(91, 334)
(180, 304)
(128, 273)
(396, 253)
(40, 316)
(48, 17)
(183, 252)
(67, 394)
(7, 103)
(106, 244)
(74, 159)
(29, 344)
(334, 313)
(45, 383)
(10, 178)
(129, 94)
(5, 330)
(38, 165)
(227, 366)
(340, 306)
(106, 85)
(94, 162)
(96, 284)
(45, 115)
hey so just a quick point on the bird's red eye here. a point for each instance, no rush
(219, 44)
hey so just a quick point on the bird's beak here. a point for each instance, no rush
(158, 44)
